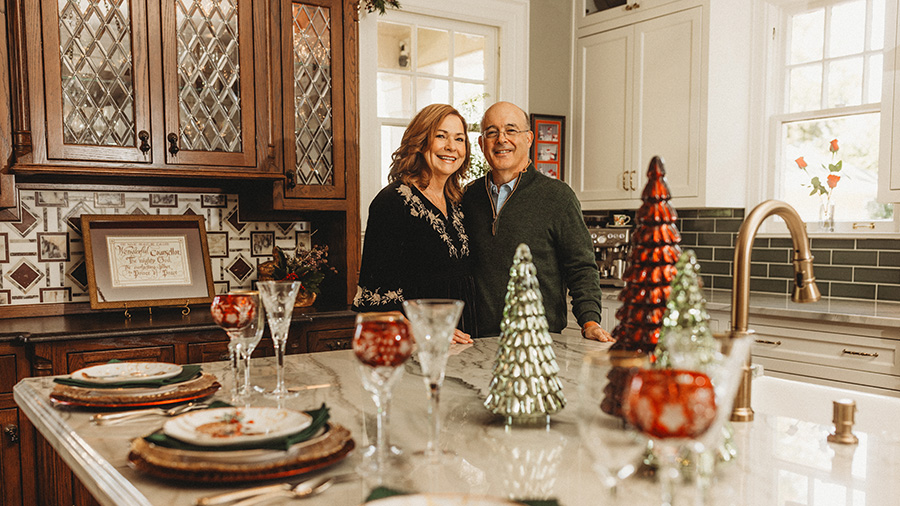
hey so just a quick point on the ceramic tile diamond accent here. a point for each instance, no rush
(26, 224)
(24, 275)
(73, 217)
(78, 274)
(240, 268)
(232, 220)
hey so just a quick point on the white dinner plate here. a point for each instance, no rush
(228, 426)
(127, 371)
(442, 500)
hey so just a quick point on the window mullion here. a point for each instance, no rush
(826, 55)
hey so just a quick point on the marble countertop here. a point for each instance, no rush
(783, 459)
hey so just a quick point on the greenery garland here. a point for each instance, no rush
(380, 5)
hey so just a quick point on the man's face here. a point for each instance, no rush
(505, 139)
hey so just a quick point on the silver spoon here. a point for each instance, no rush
(258, 495)
(111, 418)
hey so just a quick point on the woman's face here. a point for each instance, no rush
(447, 149)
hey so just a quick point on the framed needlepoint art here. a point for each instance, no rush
(548, 147)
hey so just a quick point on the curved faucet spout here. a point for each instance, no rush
(805, 289)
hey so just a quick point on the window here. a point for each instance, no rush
(424, 60)
(830, 61)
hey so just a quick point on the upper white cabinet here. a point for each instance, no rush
(889, 159)
(672, 81)
(598, 11)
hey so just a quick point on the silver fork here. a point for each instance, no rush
(111, 418)
(257, 495)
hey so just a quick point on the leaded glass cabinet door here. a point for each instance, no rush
(313, 87)
(208, 72)
(96, 83)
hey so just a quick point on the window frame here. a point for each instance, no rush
(774, 17)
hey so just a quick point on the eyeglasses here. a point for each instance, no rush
(494, 134)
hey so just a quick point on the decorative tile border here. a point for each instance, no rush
(42, 255)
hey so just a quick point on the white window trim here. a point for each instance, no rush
(767, 93)
(510, 17)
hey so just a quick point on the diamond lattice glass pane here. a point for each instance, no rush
(313, 134)
(96, 73)
(209, 92)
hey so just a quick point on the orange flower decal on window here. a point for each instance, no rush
(831, 170)
(833, 180)
(834, 146)
(801, 162)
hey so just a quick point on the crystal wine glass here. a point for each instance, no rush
(433, 322)
(615, 447)
(234, 312)
(686, 406)
(382, 343)
(278, 298)
(249, 338)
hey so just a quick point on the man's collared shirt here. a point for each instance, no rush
(500, 193)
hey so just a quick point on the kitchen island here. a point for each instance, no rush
(783, 455)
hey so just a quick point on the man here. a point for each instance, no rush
(514, 204)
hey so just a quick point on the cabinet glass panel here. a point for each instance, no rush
(96, 73)
(209, 92)
(592, 6)
(313, 130)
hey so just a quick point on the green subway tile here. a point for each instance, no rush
(710, 239)
(842, 257)
(821, 256)
(780, 242)
(889, 292)
(712, 267)
(702, 252)
(716, 213)
(724, 254)
(722, 282)
(698, 225)
(889, 244)
(769, 285)
(688, 239)
(783, 271)
(833, 243)
(728, 225)
(687, 213)
(771, 255)
(760, 242)
(833, 273)
(889, 258)
(759, 270)
(853, 291)
(874, 275)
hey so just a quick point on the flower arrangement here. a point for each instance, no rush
(306, 266)
(833, 168)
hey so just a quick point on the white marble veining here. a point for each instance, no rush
(784, 457)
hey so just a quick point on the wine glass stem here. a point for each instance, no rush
(668, 473)
(245, 387)
(279, 365)
(382, 402)
(434, 428)
(234, 358)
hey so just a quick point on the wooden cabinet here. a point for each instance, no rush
(662, 82)
(315, 81)
(16, 487)
(168, 87)
(330, 335)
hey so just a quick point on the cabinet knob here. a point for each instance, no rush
(144, 137)
(290, 179)
(173, 144)
(12, 433)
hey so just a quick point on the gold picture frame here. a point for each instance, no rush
(142, 261)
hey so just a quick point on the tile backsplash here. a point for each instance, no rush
(42, 254)
(854, 268)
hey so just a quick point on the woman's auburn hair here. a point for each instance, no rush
(408, 163)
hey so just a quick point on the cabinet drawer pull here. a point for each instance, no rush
(631, 179)
(12, 433)
(173, 144)
(144, 137)
(859, 353)
(624, 183)
(763, 341)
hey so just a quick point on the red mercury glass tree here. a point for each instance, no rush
(650, 267)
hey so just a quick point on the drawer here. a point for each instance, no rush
(830, 349)
(8, 371)
(214, 352)
(330, 340)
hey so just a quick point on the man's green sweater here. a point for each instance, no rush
(544, 214)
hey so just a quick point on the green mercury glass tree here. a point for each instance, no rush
(525, 385)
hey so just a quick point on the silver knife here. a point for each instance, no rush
(265, 489)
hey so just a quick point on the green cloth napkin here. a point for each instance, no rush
(319, 418)
(188, 372)
(382, 492)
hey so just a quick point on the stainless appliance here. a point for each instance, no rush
(611, 245)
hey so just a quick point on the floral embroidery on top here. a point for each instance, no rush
(418, 210)
(366, 297)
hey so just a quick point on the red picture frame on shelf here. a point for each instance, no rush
(548, 148)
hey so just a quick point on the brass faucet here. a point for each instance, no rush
(805, 289)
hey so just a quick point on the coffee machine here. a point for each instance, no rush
(611, 245)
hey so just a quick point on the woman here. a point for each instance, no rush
(415, 244)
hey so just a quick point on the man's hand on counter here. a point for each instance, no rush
(593, 330)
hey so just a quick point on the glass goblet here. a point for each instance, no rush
(248, 339)
(615, 447)
(433, 322)
(686, 407)
(234, 312)
(278, 298)
(382, 343)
